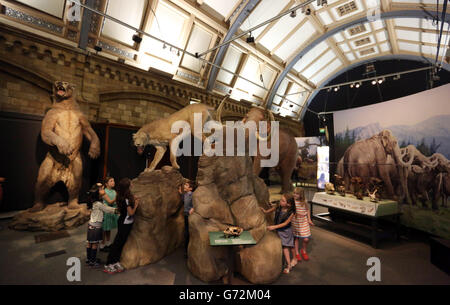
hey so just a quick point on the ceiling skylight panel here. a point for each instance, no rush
(224, 8)
(310, 56)
(230, 62)
(408, 35)
(281, 91)
(409, 47)
(169, 27)
(345, 48)
(350, 56)
(265, 10)
(326, 18)
(382, 36)
(385, 47)
(302, 35)
(199, 41)
(328, 69)
(54, 7)
(279, 31)
(132, 16)
(407, 22)
(319, 64)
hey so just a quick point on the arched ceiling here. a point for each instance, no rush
(290, 59)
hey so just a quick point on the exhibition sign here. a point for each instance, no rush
(306, 168)
(405, 143)
(323, 166)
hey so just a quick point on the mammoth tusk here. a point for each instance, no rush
(220, 108)
(267, 138)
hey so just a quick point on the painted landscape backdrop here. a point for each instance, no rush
(423, 120)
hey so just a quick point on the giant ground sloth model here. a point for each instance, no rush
(63, 128)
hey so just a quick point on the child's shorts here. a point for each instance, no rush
(94, 235)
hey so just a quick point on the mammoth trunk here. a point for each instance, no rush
(402, 169)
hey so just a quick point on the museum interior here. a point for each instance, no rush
(224, 142)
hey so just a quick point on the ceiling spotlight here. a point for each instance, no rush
(329, 89)
(381, 80)
(250, 38)
(293, 14)
(336, 88)
(396, 77)
(98, 48)
(178, 53)
(322, 2)
(164, 46)
(352, 85)
(306, 11)
(374, 82)
(357, 85)
(137, 39)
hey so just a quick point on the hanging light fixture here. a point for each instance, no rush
(250, 38)
(136, 38)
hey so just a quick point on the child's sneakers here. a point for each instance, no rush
(305, 256)
(119, 268)
(95, 264)
(110, 269)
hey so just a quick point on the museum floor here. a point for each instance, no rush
(335, 259)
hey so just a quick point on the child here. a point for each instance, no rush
(185, 191)
(301, 223)
(127, 204)
(109, 221)
(95, 232)
(283, 217)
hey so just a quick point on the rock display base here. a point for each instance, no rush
(159, 220)
(53, 217)
(228, 193)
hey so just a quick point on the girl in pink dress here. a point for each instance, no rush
(301, 224)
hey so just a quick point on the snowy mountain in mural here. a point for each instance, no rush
(433, 132)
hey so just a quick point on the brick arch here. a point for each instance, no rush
(40, 80)
(107, 96)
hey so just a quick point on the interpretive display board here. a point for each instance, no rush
(350, 203)
(219, 239)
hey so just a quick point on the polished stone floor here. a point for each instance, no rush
(335, 259)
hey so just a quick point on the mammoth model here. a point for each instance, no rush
(288, 149)
(63, 128)
(369, 158)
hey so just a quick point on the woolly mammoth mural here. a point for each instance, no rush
(408, 150)
(369, 158)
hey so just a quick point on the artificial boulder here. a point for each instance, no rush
(229, 193)
(158, 228)
(53, 217)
